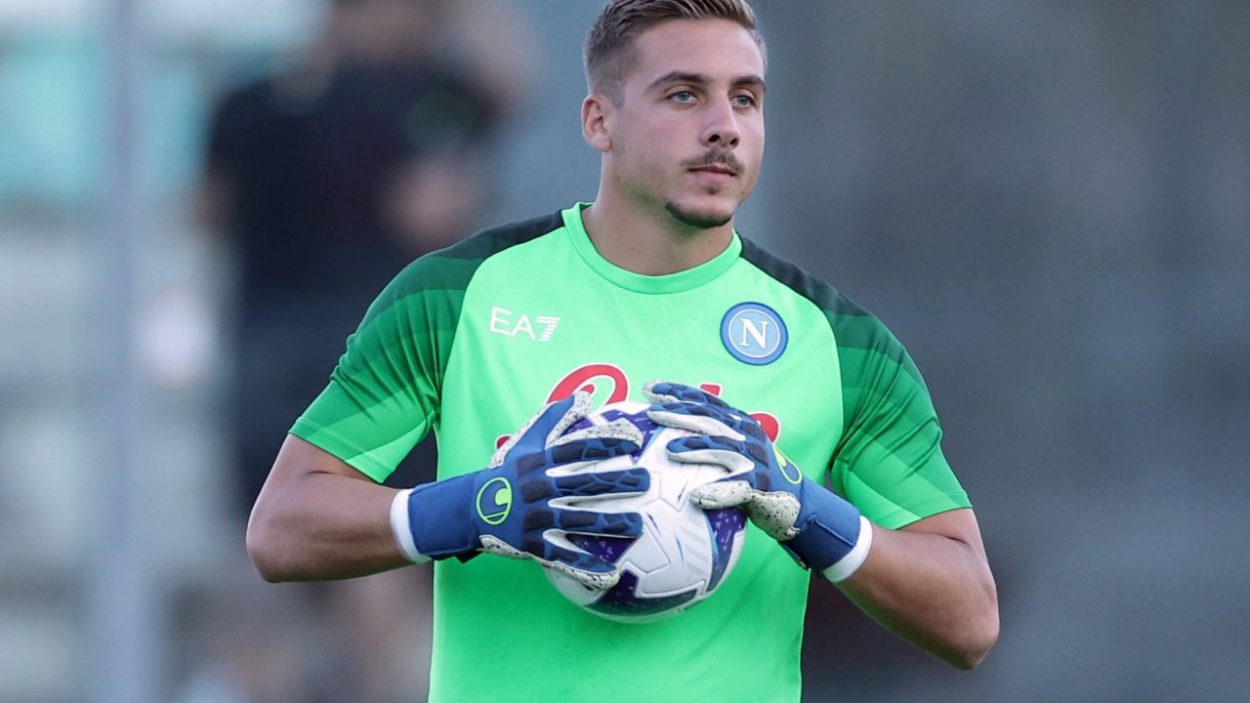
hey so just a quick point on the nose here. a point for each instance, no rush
(722, 125)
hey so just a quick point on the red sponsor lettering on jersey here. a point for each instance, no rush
(585, 378)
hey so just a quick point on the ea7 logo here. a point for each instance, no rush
(510, 324)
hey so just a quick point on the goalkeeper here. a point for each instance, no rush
(649, 281)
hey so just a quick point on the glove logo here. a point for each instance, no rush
(754, 333)
(788, 470)
(494, 501)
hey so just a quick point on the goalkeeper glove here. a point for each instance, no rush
(524, 504)
(820, 529)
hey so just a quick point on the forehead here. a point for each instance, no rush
(717, 48)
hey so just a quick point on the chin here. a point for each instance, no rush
(699, 217)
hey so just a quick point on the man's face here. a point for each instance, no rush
(687, 138)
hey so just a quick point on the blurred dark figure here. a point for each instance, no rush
(329, 177)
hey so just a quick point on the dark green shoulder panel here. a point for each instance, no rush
(861, 337)
(452, 268)
(888, 460)
(385, 392)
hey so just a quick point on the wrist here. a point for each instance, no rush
(834, 537)
(401, 528)
(435, 520)
(845, 567)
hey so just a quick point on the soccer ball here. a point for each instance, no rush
(684, 552)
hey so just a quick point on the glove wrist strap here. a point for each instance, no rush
(439, 519)
(830, 531)
(842, 569)
(401, 528)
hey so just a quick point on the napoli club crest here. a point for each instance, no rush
(754, 333)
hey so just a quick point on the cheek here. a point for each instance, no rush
(641, 155)
(755, 147)
(754, 131)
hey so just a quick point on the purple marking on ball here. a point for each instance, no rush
(725, 525)
(621, 599)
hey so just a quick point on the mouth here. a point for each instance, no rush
(721, 169)
(714, 174)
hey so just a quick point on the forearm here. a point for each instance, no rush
(935, 591)
(929, 582)
(322, 526)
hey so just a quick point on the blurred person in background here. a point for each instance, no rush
(327, 178)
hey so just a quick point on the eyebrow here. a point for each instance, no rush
(700, 79)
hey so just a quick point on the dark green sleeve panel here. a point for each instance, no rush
(383, 397)
(888, 460)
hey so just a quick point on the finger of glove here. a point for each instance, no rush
(617, 429)
(494, 545)
(669, 392)
(755, 451)
(700, 419)
(545, 426)
(589, 571)
(739, 458)
(775, 512)
(589, 522)
(593, 484)
(579, 452)
(586, 569)
(542, 478)
(722, 413)
(579, 409)
(722, 494)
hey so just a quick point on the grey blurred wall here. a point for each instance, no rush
(1049, 202)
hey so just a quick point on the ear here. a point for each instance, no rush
(597, 112)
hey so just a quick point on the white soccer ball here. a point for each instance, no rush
(684, 552)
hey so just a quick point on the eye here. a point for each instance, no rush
(682, 96)
(744, 100)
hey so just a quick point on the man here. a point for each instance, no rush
(326, 176)
(650, 281)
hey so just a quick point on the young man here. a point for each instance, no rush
(650, 281)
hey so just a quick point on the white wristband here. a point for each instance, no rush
(849, 564)
(402, 529)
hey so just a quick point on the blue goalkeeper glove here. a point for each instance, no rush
(523, 505)
(819, 528)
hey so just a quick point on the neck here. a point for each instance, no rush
(650, 243)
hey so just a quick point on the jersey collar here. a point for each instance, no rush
(641, 283)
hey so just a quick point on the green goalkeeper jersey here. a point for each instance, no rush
(470, 341)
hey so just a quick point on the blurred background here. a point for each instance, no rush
(1048, 202)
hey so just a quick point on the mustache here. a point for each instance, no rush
(716, 157)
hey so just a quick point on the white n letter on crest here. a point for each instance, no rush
(760, 334)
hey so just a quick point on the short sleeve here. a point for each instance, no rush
(889, 461)
(383, 396)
